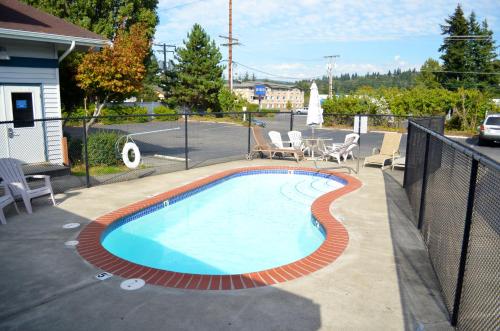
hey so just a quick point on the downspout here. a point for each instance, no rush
(69, 50)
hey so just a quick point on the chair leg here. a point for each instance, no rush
(2, 217)
(27, 204)
(53, 199)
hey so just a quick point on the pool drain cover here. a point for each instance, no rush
(71, 225)
(71, 243)
(132, 284)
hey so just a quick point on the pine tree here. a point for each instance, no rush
(197, 73)
(455, 51)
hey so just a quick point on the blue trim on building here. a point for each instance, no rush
(29, 62)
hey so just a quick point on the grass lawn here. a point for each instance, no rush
(79, 170)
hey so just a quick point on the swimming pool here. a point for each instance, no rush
(249, 222)
(240, 228)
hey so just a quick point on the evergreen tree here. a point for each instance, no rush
(454, 51)
(197, 75)
(484, 59)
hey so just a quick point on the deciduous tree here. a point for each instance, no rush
(117, 71)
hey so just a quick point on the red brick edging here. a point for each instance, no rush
(90, 247)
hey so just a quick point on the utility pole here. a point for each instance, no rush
(164, 51)
(230, 42)
(329, 69)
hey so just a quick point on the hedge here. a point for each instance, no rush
(162, 110)
(101, 149)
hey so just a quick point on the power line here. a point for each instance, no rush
(184, 4)
(274, 75)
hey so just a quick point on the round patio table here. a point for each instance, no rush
(314, 143)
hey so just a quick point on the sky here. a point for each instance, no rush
(288, 39)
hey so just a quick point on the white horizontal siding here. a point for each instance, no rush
(48, 78)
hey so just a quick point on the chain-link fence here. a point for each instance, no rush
(88, 151)
(454, 192)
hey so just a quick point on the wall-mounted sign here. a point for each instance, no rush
(260, 90)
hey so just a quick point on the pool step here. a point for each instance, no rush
(304, 192)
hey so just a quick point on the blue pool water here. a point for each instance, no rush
(244, 224)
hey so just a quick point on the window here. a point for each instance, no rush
(22, 110)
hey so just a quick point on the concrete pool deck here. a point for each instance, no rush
(383, 280)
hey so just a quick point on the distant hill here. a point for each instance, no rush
(349, 83)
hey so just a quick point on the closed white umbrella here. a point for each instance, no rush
(314, 112)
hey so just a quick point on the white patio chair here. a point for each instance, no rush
(296, 140)
(353, 137)
(6, 200)
(276, 140)
(12, 175)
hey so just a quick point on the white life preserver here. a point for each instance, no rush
(126, 149)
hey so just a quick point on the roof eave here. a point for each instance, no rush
(53, 38)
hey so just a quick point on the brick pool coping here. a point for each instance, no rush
(336, 241)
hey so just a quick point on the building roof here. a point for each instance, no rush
(251, 84)
(21, 21)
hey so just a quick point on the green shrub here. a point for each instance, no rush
(75, 148)
(454, 123)
(101, 148)
(267, 112)
(162, 110)
(122, 111)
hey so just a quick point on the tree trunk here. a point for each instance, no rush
(97, 111)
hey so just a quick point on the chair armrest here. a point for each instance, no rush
(37, 176)
(46, 178)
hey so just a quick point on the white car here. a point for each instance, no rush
(301, 111)
(489, 131)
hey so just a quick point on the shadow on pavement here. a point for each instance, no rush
(421, 300)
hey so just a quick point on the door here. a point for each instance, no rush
(24, 139)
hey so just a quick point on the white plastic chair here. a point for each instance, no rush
(276, 140)
(13, 176)
(6, 200)
(296, 140)
(346, 139)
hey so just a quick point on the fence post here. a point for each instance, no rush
(465, 241)
(291, 121)
(407, 154)
(186, 153)
(87, 175)
(424, 182)
(249, 131)
(359, 142)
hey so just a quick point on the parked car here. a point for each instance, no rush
(489, 131)
(301, 111)
(258, 123)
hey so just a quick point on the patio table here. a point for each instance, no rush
(313, 144)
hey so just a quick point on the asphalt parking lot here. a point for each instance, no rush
(492, 151)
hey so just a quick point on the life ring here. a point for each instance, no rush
(125, 155)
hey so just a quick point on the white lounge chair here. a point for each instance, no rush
(6, 200)
(13, 176)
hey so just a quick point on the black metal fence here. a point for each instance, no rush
(455, 194)
(166, 142)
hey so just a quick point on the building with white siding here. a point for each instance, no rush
(32, 44)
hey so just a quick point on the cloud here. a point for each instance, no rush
(277, 28)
